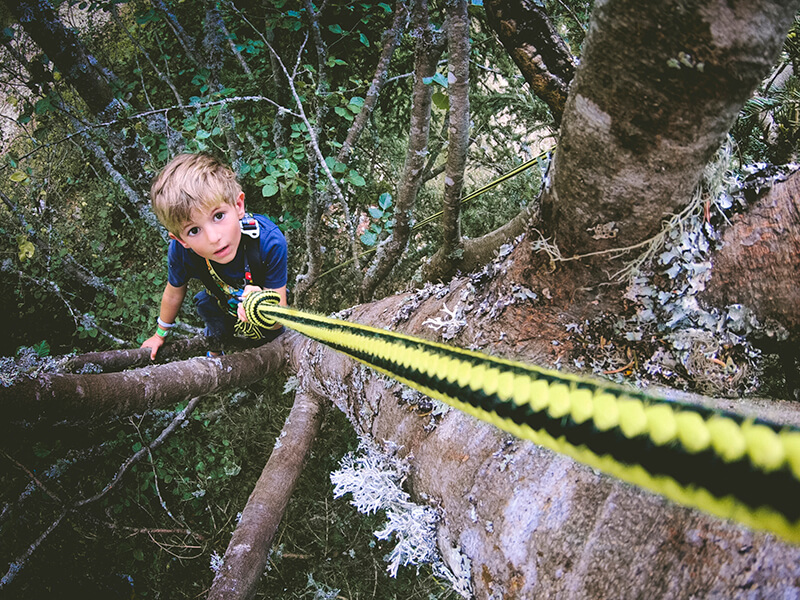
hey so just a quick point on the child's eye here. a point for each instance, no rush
(219, 216)
(193, 231)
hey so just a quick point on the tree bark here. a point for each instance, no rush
(428, 50)
(314, 260)
(458, 130)
(533, 523)
(526, 32)
(658, 87)
(84, 73)
(248, 551)
(64, 48)
(94, 397)
(759, 263)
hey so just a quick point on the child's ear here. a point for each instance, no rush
(172, 236)
(240, 205)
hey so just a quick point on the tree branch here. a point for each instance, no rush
(532, 42)
(246, 556)
(428, 49)
(458, 131)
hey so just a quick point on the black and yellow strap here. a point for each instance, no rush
(723, 463)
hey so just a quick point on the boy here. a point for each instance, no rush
(197, 198)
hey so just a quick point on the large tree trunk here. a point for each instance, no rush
(659, 85)
(535, 524)
(759, 262)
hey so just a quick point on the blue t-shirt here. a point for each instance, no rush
(184, 264)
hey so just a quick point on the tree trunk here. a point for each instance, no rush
(64, 48)
(55, 396)
(535, 524)
(427, 52)
(83, 72)
(531, 40)
(658, 87)
(759, 263)
(458, 130)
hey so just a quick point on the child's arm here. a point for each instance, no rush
(171, 302)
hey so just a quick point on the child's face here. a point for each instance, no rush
(214, 233)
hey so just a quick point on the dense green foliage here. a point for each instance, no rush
(81, 270)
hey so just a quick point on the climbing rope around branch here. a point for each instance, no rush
(723, 463)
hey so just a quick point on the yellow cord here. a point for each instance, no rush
(719, 462)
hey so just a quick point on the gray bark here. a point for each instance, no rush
(93, 397)
(659, 85)
(247, 553)
(533, 523)
(427, 52)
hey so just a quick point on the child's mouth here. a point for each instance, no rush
(222, 251)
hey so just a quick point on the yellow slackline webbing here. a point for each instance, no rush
(464, 200)
(726, 464)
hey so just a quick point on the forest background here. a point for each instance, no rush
(349, 124)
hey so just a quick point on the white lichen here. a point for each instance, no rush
(374, 478)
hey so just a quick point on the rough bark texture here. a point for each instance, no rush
(117, 360)
(55, 396)
(533, 523)
(658, 86)
(526, 33)
(391, 38)
(427, 52)
(247, 553)
(64, 48)
(759, 263)
(458, 130)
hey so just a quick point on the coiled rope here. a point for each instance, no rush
(723, 463)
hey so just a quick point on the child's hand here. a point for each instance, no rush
(248, 289)
(154, 343)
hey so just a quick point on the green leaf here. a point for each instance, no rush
(202, 134)
(335, 28)
(375, 213)
(441, 100)
(18, 176)
(385, 200)
(369, 238)
(269, 189)
(386, 8)
(356, 179)
(363, 39)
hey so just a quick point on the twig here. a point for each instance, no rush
(178, 420)
(33, 477)
(17, 565)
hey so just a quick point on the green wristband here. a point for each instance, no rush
(161, 332)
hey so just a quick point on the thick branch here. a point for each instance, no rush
(247, 553)
(428, 50)
(55, 396)
(532, 42)
(759, 263)
(458, 131)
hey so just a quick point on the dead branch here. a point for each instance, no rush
(93, 397)
(246, 556)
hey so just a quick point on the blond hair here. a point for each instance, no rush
(189, 182)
